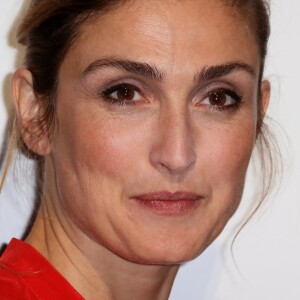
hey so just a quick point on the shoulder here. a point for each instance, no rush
(26, 274)
(12, 270)
(12, 287)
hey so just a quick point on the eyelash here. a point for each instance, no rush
(237, 98)
(106, 94)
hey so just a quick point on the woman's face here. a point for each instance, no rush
(157, 118)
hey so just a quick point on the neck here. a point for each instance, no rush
(93, 270)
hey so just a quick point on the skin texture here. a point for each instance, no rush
(102, 155)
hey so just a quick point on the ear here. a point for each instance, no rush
(29, 110)
(265, 92)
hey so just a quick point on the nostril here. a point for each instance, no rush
(178, 164)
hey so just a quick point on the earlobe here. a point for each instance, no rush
(29, 112)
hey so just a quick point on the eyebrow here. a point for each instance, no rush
(134, 67)
(144, 69)
(212, 72)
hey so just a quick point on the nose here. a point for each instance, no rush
(173, 149)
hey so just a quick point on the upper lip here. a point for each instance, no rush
(165, 196)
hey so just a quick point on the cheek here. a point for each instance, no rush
(230, 155)
(221, 169)
(228, 150)
(98, 145)
(92, 158)
(225, 168)
(107, 150)
(95, 158)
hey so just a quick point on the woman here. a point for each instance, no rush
(145, 114)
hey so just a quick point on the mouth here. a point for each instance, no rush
(167, 203)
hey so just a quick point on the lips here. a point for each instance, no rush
(169, 203)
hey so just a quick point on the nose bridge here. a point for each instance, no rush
(174, 148)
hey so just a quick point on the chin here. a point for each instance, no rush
(167, 253)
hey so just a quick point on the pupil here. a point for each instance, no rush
(217, 99)
(125, 93)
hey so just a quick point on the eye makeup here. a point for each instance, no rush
(221, 99)
(122, 94)
(217, 99)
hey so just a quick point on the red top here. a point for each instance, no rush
(25, 274)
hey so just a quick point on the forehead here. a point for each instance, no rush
(168, 33)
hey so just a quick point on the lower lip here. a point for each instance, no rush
(170, 207)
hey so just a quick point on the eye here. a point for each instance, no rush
(122, 94)
(222, 99)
